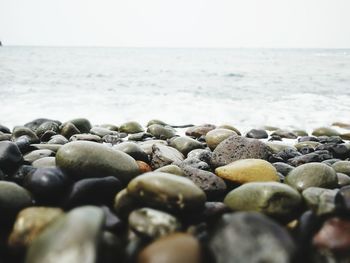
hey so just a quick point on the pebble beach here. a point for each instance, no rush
(77, 191)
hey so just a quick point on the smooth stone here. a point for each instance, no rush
(10, 157)
(309, 144)
(235, 148)
(131, 127)
(47, 126)
(124, 204)
(58, 139)
(317, 156)
(345, 136)
(48, 185)
(229, 127)
(82, 124)
(132, 149)
(144, 167)
(300, 133)
(34, 124)
(21, 174)
(284, 155)
(13, 198)
(4, 129)
(248, 170)
(334, 236)
(110, 127)
(93, 191)
(276, 147)
(88, 159)
(151, 223)
(68, 129)
(283, 168)
(250, 237)
(46, 146)
(146, 146)
(5, 137)
(199, 130)
(112, 139)
(312, 174)
(342, 167)
(163, 155)
(161, 132)
(45, 162)
(257, 134)
(284, 134)
(140, 136)
(174, 248)
(23, 144)
(343, 179)
(100, 131)
(30, 222)
(212, 185)
(171, 169)
(271, 198)
(113, 222)
(320, 200)
(167, 191)
(341, 125)
(185, 144)
(342, 199)
(37, 154)
(330, 162)
(202, 154)
(20, 131)
(155, 121)
(214, 137)
(71, 238)
(85, 137)
(325, 131)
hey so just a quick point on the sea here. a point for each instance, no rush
(246, 88)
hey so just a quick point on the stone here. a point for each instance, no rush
(312, 174)
(230, 127)
(212, 185)
(342, 199)
(10, 157)
(140, 136)
(198, 131)
(151, 122)
(345, 136)
(45, 146)
(334, 236)
(88, 159)
(284, 155)
(47, 126)
(185, 144)
(300, 133)
(30, 222)
(112, 139)
(82, 124)
(144, 167)
(109, 126)
(131, 127)
(71, 238)
(163, 155)
(317, 156)
(124, 204)
(250, 237)
(68, 129)
(284, 134)
(146, 146)
(151, 223)
(48, 185)
(23, 144)
(214, 137)
(13, 198)
(236, 148)
(37, 154)
(195, 163)
(248, 170)
(309, 144)
(325, 131)
(343, 179)
(174, 248)
(93, 191)
(276, 147)
(202, 154)
(101, 132)
(320, 200)
(283, 168)
(85, 137)
(58, 139)
(34, 125)
(45, 162)
(132, 149)
(271, 198)
(4, 129)
(161, 132)
(20, 131)
(342, 167)
(171, 169)
(341, 125)
(167, 191)
(257, 134)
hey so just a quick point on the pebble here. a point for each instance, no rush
(68, 129)
(132, 149)
(163, 155)
(131, 127)
(214, 137)
(199, 130)
(161, 132)
(342, 167)
(185, 144)
(82, 124)
(257, 134)
(10, 157)
(38, 154)
(325, 131)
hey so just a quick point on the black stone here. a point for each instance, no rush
(283, 168)
(10, 157)
(257, 134)
(23, 143)
(342, 199)
(308, 139)
(4, 129)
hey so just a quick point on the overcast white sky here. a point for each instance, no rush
(177, 23)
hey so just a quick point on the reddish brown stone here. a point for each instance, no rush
(144, 167)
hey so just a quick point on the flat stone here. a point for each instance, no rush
(248, 170)
(85, 137)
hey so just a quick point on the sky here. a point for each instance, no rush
(177, 23)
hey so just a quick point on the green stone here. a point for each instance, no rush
(131, 127)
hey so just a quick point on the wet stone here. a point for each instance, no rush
(10, 157)
(82, 124)
(185, 144)
(37, 154)
(257, 134)
(214, 137)
(325, 131)
(131, 127)
(100, 131)
(47, 126)
(151, 223)
(85, 137)
(283, 168)
(284, 134)
(163, 155)
(133, 150)
(45, 162)
(20, 131)
(68, 129)
(58, 139)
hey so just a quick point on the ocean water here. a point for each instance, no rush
(247, 88)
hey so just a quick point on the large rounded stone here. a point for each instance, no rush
(47, 126)
(20, 131)
(152, 223)
(167, 191)
(235, 148)
(82, 124)
(13, 198)
(325, 131)
(30, 222)
(69, 129)
(248, 170)
(274, 199)
(185, 144)
(132, 149)
(131, 127)
(214, 137)
(161, 132)
(71, 238)
(174, 248)
(250, 237)
(10, 157)
(312, 174)
(88, 159)
(342, 167)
